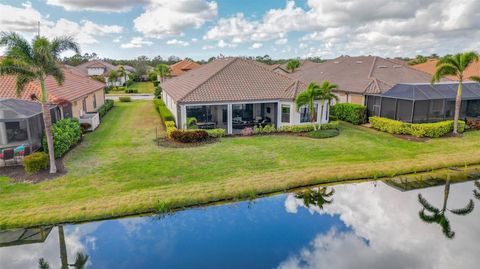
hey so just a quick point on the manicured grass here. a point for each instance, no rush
(323, 133)
(143, 87)
(119, 170)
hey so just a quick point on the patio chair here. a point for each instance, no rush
(8, 155)
(27, 151)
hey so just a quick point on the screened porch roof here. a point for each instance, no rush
(16, 109)
(427, 91)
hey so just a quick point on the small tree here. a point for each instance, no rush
(292, 65)
(163, 71)
(325, 94)
(307, 98)
(455, 65)
(113, 77)
(34, 62)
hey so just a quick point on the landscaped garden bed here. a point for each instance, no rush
(432, 130)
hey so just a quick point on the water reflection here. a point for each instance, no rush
(437, 215)
(351, 226)
(476, 190)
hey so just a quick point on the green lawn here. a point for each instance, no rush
(143, 87)
(118, 169)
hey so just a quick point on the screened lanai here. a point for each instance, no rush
(425, 102)
(21, 123)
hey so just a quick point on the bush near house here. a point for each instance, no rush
(102, 111)
(192, 136)
(170, 126)
(124, 99)
(35, 162)
(165, 113)
(303, 128)
(66, 134)
(129, 90)
(216, 133)
(433, 130)
(353, 113)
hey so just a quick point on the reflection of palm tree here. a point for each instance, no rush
(315, 197)
(438, 215)
(476, 193)
(42, 264)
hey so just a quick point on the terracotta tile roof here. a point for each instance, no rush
(232, 79)
(75, 86)
(95, 64)
(183, 66)
(430, 66)
(363, 74)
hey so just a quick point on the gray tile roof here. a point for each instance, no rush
(232, 80)
(426, 91)
(363, 74)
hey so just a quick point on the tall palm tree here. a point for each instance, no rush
(455, 65)
(292, 65)
(34, 62)
(163, 71)
(437, 215)
(311, 94)
(325, 94)
(113, 77)
(122, 73)
(316, 197)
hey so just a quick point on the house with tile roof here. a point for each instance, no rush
(77, 96)
(183, 66)
(235, 93)
(430, 66)
(102, 68)
(358, 76)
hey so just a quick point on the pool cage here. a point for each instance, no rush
(21, 123)
(419, 103)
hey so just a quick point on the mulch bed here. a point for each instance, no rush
(17, 173)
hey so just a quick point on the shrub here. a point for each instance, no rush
(216, 133)
(125, 99)
(131, 90)
(129, 83)
(102, 111)
(247, 131)
(158, 92)
(35, 162)
(156, 83)
(433, 130)
(194, 136)
(66, 133)
(165, 113)
(323, 133)
(353, 113)
(267, 129)
(170, 126)
(329, 126)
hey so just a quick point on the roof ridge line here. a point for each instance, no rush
(265, 67)
(208, 79)
(372, 67)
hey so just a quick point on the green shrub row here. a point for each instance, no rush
(124, 99)
(216, 133)
(303, 128)
(162, 109)
(102, 111)
(267, 129)
(66, 134)
(437, 129)
(353, 113)
(35, 162)
(191, 136)
(131, 90)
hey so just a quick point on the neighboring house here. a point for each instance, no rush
(21, 123)
(77, 96)
(304, 65)
(357, 76)
(102, 68)
(424, 102)
(183, 66)
(430, 66)
(234, 93)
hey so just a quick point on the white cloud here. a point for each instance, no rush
(194, 40)
(95, 5)
(163, 18)
(281, 41)
(23, 19)
(177, 42)
(117, 39)
(223, 44)
(256, 46)
(136, 42)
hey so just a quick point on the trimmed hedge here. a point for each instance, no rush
(125, 99)
(162, 109)
(303, 128)
(267, 129)
(131, 90)
(433, 130)
(102, 111)
(66, 134)
(193, 136)
(170, 126)
(353, 113)
(216, 133)
(35, 162)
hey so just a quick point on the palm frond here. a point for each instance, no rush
(302, 99)
(21, 81)
(17, 46)
(475, 78)
(62, 44)
(445, 69)
(477, 184)
(56, 72)
(476, 194)
(42, 264)
(445, 224)
(427, 205)
(464, 211)
(467, 58)
(80, 261)
(428, 218)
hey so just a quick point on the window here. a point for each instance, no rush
(286, 113)
(84, 104)
(94, 101)
(305, 115)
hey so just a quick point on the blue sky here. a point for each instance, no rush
(283, 29)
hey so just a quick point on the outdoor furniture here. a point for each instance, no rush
(206, 125)
(8, 155)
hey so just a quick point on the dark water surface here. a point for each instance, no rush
(362, 225)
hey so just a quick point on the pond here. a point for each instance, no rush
(356, 225)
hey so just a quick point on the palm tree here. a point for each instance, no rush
(292, 65)
(311, 94)
(455, 65)
(122, 73)
(34, 63)
(315, 197)
(81, 258)
(325, 94)
(43, 264)
(113, 77)
(163, 71)
(437, 215)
